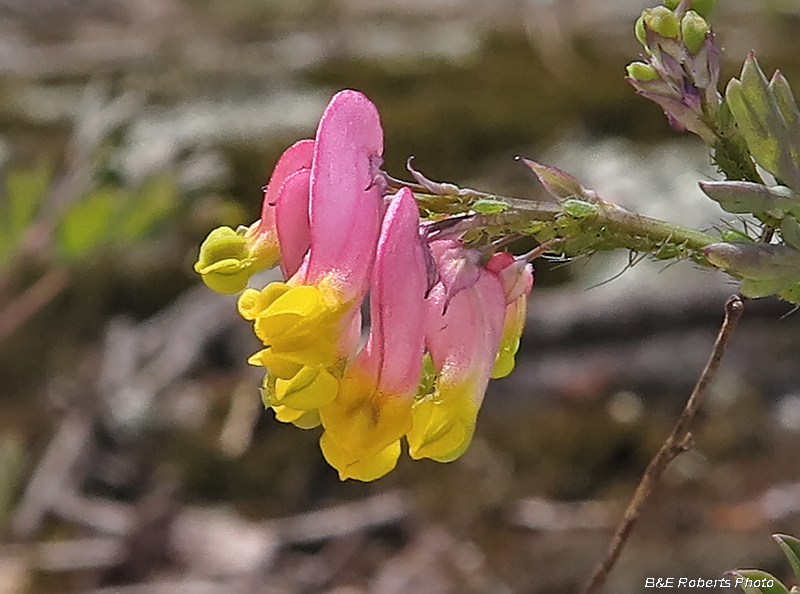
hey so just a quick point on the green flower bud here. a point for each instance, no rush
(226, 260)
(663, 21)
(694, 29)
(641, 71)
(640, 32)
(703, 7)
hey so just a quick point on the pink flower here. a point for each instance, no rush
(465, 331)
(431, 350)
(372, 410)
(309, 324)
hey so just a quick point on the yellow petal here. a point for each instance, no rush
(443, 425)
(279, 366)
(299, 310)
(366, 468)
(363, 419)
(253, 303)
(509, 342)
(304, 419)
(311, 388)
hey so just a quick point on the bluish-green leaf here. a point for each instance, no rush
(747, 578)
(790, 232)
(766, 269)
(762, 124)
(742, 197)
(791, 548)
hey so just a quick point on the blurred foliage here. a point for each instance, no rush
(115, 216)
(25, 190)
(12, 464)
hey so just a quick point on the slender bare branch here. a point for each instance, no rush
(38, 295)
(678, 441)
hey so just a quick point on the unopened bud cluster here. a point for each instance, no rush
(681, 70)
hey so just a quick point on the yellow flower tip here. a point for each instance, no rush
(227, 259)
(442, 427)
(226, 276)
(513, 325)
(279, 367)
(310, 388)
(304, 419)
(361, 468)
(362, 419)
(297, 318)
(250, 304)
(504, 364)
(253, 303)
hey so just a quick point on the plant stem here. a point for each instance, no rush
(585, 226)
(678, 441)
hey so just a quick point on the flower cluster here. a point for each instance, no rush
(444, 317)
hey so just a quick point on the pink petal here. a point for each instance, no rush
(291, 221)
(516, 275)
(459, 267)
(463, 342)
(397, 299)
(296, 157)
(373, 406)
(346, 201)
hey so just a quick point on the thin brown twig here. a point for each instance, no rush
(35, 297)
(679, 440)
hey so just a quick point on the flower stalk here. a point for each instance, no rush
(583, 226)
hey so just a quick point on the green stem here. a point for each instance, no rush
(583, 226)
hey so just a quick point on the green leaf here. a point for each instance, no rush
(787, 106)
(761, 122)
(792, 295)
(741, 197)
(791, 548)
(703, 7)
(747, 578)
(88, 223)
(790, 233)
(765, 269)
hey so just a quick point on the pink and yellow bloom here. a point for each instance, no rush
(338, 236)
